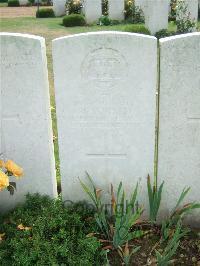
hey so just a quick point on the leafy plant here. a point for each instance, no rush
(105, 7)
(162, 33)
(45, 13)
(154, 195)
(184, 21)
(74, 20)
(44, 232)
(170, 250)
(129, 9)
(172, 15)
(104, 21)
(138, 15)
(177, 214)
(13, 3)
(126, 254)
(74, 6)
(133, 13)
(115, 225)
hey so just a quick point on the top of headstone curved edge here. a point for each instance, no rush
(23, 35)
(105, 33)
(181, 36)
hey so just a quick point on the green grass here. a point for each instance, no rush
(51, 28)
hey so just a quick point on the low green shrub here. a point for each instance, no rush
(47, 232)
(3, 1)
(13, 3)
(163, 33)
(104, 21)
(45, 13)
(74, 20)
(137, 29)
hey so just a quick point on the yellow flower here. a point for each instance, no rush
(2, 164)
(1, 236)
(4, 180)
(22, 227)
(14, 168)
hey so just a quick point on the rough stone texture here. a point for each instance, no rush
(92, 10)
(105, 109)
(23, 2)
(156, 15)
(59, 7)
(193, 8)
(179, 136)
(26, 135)
(116, 9)
(141, 4)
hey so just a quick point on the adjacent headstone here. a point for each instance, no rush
(26, 133)
(141, 4)
(179, 133)
(156, 15)
(59, 7)
(92, 10)
(23, 2)
(116, 9)
(192, 6)
(105, 109)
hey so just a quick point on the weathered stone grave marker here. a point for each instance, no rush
(156, 14)
(59, 7)
(92, 10)
(116, 9)
(26, 135)
(105, 109)
(192, 9)
(179, 133)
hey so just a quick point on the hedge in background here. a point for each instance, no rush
(45, 13)
(74, 20)
(13, 3)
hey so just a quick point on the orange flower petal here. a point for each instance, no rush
(12, 167)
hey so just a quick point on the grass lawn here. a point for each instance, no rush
(51, 28)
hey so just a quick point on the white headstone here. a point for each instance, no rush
(105, 96)
(116, 9)
(193, 9)
(156, 15)
(26, 133)
(179, 138)
(59, 7)
(92, 10)
(141, 4)
(23, 2)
